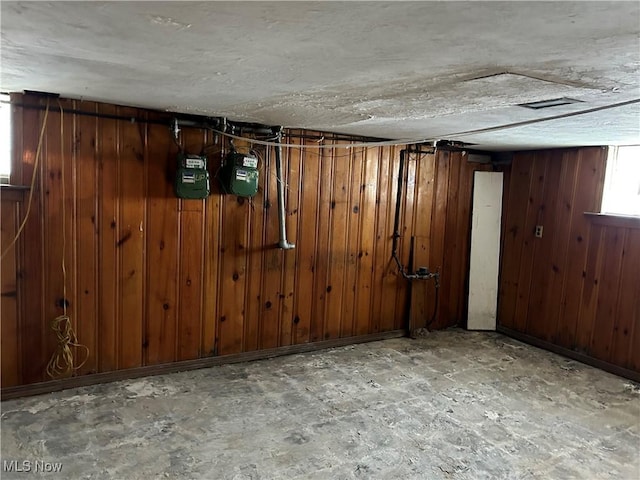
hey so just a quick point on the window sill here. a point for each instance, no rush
(610, 220)
(16, 188)
(13, 193)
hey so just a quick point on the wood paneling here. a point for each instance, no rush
(442, 236)
(86, 238)
(10, 210)
(576, 287)
(306, 243)
(152, 279)
(109, 159)
(130, 241)
(163, 230)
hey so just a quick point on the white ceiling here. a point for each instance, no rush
(384, 69)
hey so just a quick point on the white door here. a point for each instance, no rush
(485, 250)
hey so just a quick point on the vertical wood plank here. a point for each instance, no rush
(306, 245)
(256, 248)
(317, 330)
(349, 310)
(634, 352)
(12, 310)
(589, 300)
(561, 223)
(212, 244)
(507, 172)
(54, 202)
(514, 220)
(69, 156)
(337, 243)
(390, 275)
(292, 202)
(591, 162)
(86, 237)
(367, 241)
(451, 250)
(438, 228)
(189, 325)
(530, 244)
(233, 274)
(162, 252)
(130, 241)
(31, 278)
(626, 321)
(423, 293)
(538, 324)
(9, 322)
(406, 241)
(380, 261)
(608, 292)
(108, 207)
(190, 262)
(232, 278)
(270, 298)
(462, 258)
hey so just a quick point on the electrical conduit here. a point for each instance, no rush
(283, 243)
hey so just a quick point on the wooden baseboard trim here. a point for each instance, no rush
(565, 352)
(9, 393)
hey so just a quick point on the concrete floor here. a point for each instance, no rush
(453, 405)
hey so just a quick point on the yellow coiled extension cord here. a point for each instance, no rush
(62, 363)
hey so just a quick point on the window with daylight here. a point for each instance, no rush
(5, 139)
(621, 194)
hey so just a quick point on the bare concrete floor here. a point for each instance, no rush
(453, 405)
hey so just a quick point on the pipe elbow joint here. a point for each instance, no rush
(283, 244)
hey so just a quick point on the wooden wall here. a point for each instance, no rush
(152, 279)
(577, 286)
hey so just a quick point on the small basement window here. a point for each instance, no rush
(621, 194)
(5, 138)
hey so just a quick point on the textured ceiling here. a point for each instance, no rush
(393, 70)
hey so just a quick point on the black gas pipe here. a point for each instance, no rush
(422, 273)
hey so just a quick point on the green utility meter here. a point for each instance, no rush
(240, 174)
(192, 178)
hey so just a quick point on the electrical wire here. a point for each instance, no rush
(62, 362)
(36, 163)
(256, 154)
(398, 142)
(319, 146)
(319, 153)
(401, 142)
(533, 121)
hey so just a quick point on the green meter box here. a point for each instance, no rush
(240, 174)
(192, 177)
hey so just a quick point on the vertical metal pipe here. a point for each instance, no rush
(283, 243)
(396, 220)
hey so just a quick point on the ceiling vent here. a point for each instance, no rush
(556, 102)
